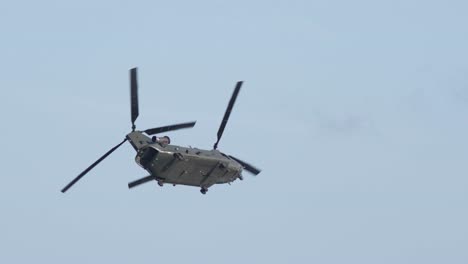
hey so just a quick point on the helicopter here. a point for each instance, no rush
(174, 164)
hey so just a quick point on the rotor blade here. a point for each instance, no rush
(158, 130)
(228, 112)
(134, 95)
(247, 166)
(91, 167)
(141, 181)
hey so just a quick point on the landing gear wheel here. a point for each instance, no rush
(203, 190)
(160, 183)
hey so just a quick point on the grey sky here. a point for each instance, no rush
(355, 110)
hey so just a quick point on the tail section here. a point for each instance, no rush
(138, 140)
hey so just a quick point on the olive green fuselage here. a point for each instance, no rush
(181, 165)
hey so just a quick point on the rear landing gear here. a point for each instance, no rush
(203, 190)
(160, 183)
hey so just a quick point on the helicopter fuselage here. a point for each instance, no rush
(183, 165)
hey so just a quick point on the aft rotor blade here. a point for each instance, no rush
(158, 130)
(92, 166)
(228, 112)
(134, 95)
(141, 181)
(247, 166)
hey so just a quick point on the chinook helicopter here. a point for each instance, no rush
(173, 164)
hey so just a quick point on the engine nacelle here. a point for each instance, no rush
(163, 141)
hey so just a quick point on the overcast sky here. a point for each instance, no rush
(355, 110)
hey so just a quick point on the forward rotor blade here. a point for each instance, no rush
(141, 181)
(91, 167)
(134, 95)
(228, 112)
(247, 166)
(158, 130)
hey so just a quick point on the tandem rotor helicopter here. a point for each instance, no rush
(173, 164)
